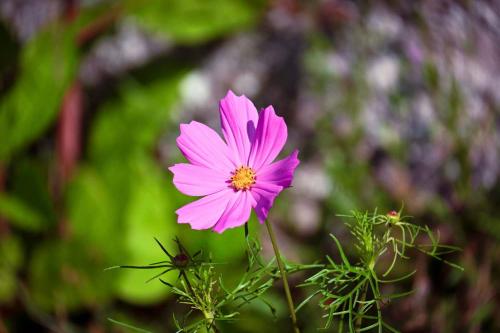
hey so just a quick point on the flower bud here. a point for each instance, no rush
(181, 260)
(393, 217)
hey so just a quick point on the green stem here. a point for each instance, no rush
(208, 315)
(188, 284)
(210, 318)
(359, 321)
(293, 268)
(283, 276)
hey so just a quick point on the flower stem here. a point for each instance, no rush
(359, 321)
(209, 316)
(184, 276)
(283, 276)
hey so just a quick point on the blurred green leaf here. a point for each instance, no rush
(116, 204)
(149, 215)
(124, 188)
(133, 122)
(69, 274)
(117, 210)
(192, 21)
(28, 204)
(30, 184)
(11, 257)
(11, 254)
(48, 62)
(19, 214)
(7, 285)
(92, 213)
(233, 240)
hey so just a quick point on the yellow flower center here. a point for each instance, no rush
(243, 178)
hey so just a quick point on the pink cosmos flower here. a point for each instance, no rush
(237, 173)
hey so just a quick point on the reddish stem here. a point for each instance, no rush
(69, 131)
(68, 142)
(98, 26)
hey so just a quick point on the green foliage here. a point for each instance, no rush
(131, 123)
(48, 63)
(149, 214)
(233, 248)
(91, 213)
(19, 213)
(122, 188)
(74, 272)
(350, 292)
(128, 326)
(28, 205)
(115, 204)
(11, 259)
(203, 289)
(191, 21)
(119, 198)
(141, 200)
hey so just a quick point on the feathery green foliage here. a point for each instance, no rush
(350, 292)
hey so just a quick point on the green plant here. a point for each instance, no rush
(351, 292)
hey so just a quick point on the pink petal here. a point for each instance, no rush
(205, 212)
(280, 172)
(238, 120)
(270, 137)
(263, 195)
(197, 180)
(202, 146)
(237, 212)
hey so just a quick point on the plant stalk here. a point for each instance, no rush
(184, 276)
(283, 276)
(359, 321)
(208, 315)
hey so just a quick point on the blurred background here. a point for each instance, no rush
(389, 102)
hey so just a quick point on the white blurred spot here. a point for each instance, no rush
(306, 216)
(195, 89)
(247, 82)
(312, 181)
(337, 65)
(383, 73)
(385, 23)
(424, 109)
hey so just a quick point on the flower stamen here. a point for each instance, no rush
(243, 178)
